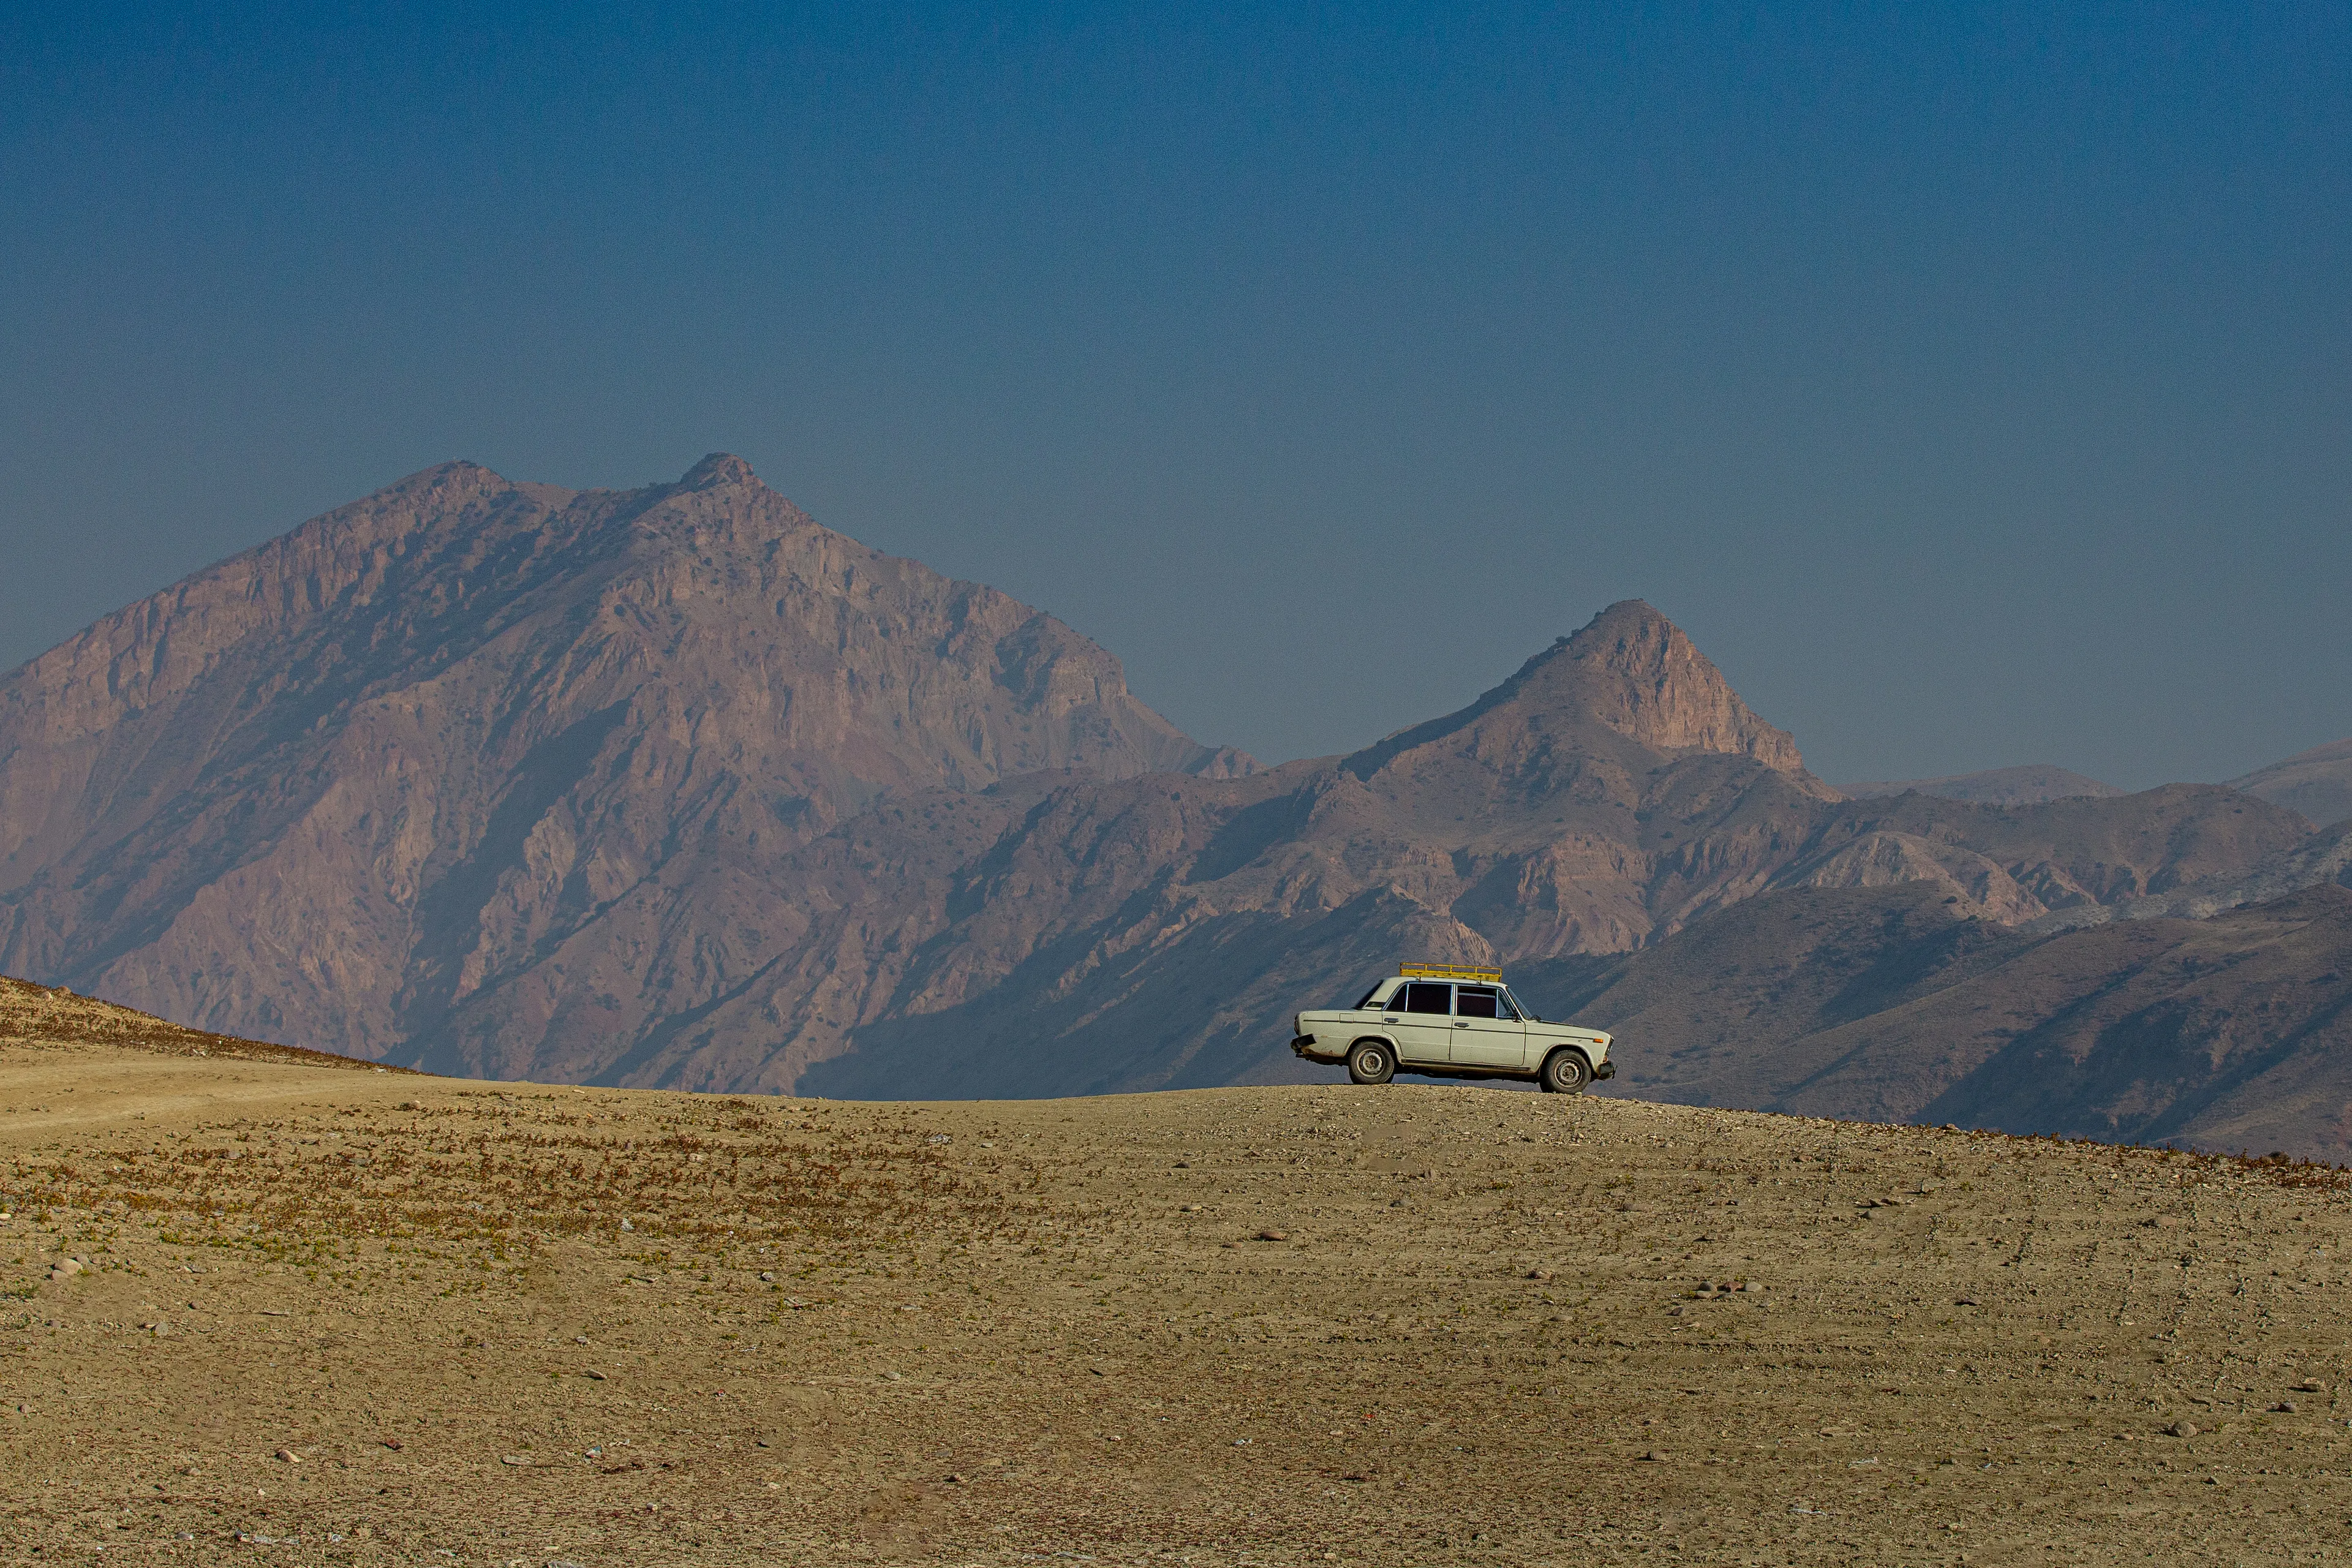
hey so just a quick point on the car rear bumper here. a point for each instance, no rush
(1306, 1045)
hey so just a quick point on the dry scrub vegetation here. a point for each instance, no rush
(327, 1316)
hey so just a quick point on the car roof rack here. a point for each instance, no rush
(1451, 971)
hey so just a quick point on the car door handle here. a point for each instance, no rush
(1460, 1022)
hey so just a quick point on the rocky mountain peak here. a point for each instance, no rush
(1628, 670)
(718, 469)
(1636, 672)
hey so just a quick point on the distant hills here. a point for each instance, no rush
(2316, 783)
(2028, 786)
(1885, 1005)
(674, 786)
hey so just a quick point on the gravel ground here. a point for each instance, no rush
(325, 1316)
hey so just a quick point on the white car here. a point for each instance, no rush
(1445, 1021)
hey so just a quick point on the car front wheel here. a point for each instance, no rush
(1370, 1062)
(1565, 1071)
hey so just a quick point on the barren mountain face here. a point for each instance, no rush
(335, 787)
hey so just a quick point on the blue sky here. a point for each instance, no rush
(1970, 382)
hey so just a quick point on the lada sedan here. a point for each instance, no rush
(1443, 1021)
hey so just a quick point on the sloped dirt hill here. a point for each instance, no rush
(339, 1318)
(31, 1014)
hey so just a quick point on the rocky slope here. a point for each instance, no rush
(2323, 858)
(2027, 786)
(1887, 1004)
(2316, 783)
(333, 789)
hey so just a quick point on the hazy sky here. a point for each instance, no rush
(1973, 384)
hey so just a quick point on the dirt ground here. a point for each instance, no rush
(328, 1316)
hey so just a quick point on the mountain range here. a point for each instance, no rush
(2028, 786)
(674, 786)
(2316, 783)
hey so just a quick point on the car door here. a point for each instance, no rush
(1420, 1017)
(1486, 1031)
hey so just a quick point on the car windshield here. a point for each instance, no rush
(1366, 999)
(1517, 1008)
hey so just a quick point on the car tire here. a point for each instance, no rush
(1371, 1061)
(1565, 1071)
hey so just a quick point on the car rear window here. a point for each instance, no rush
(1423, 997)
(1473, 1002)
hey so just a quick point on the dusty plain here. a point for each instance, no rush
(329, 1315)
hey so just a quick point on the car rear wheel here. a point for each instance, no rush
(1565, 1071)
(1369, 1062)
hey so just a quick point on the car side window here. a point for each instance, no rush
(1422, 996)
(1473, 1002)
(1503, 1008)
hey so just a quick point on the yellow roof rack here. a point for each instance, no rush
(1451, 971)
